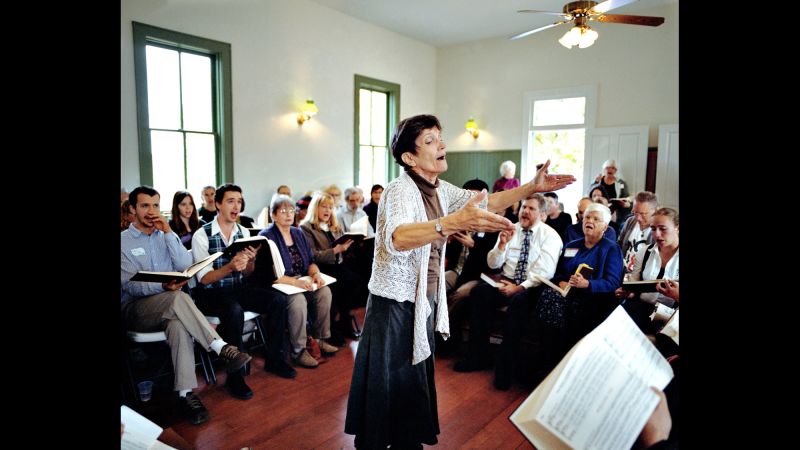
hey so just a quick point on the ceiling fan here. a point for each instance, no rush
(581, 12)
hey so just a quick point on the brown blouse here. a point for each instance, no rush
(433, 210)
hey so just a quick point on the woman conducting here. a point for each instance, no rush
(392, 394)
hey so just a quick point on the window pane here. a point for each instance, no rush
(196, 79)
(562, 111)
(378, 118)
(365, 166)
(200, 163)
(168, 173)
(163, 88)
(564, 149)
(378, 167)
(365, 116)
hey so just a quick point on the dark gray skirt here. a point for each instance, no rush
(391, 401)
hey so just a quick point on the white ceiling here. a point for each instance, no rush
(449, 22)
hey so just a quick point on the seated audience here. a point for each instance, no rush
(336, 193)
(531, 250)
(184, 217)
(301, 209)
(636, 230)
(208, 210)
(655, 262)
(558, 220)
(372, 207)
(562, 321)
(149, 244)
(575, 231)
(224, 290)
(350, 290)
(126, 215)
(351, 211)
(295, 259)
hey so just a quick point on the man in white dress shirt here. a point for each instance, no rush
(352, 209)
(532, 250)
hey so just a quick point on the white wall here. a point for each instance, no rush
(634, 67)
(282, 53)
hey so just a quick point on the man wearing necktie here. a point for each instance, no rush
(532, 249)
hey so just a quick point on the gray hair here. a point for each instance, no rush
(507, 165)
(602, 209)
(647, 197)
(350, 191)
(610, 163)
(279, 200)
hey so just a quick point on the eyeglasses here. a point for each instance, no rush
(287, 211)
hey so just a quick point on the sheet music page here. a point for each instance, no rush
(602, 398)
(140, 433)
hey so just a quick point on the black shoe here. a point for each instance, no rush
(234, 359)
(237, 387)
(336, 338)
(280, 368)
(469, 365)
(193, 409)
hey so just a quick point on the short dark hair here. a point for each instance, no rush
(476, 185)
(407, 131)
(133, 197)
(551, 194)
(375, 187)
(303, 202)
(227, 187)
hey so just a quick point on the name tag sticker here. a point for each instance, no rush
(570, 252)
(137, 251)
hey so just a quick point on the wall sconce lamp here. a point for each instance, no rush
(309, 110)
(472, 128)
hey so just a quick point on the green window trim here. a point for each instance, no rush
(393, 115)
(144, 35)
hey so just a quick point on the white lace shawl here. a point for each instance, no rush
(403, 275)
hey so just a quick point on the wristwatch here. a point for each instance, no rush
(438, 226)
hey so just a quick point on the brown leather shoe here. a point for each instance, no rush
(305, 360)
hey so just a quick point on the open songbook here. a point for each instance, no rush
(599, 395)
(290, 289)
(166, 277)
(240, 244)
(583, 269)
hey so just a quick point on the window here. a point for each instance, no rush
(557, 123)
(183, 96)
(377, 108)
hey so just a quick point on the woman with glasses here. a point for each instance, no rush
(392, 394)
(298, 260)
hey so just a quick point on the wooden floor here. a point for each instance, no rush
(309, 411)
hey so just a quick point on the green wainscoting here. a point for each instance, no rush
(485, 164)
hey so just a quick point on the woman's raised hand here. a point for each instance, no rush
(472, 218)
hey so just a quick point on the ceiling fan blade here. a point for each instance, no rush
(609, 5)
(633, 20)
(535, 30)
(564, 16)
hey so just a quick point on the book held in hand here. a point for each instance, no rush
(291, 289)
(493, 279)
(166, 277)
(240, 244)
(349, 236)
(582, 269)
(598, 396)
